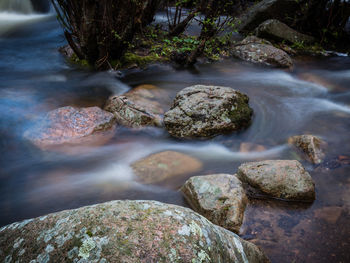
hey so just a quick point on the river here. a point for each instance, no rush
(312, 98)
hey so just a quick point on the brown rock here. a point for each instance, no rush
(164, 165)
(139, 107)
(71, 126)
(329, 214)
(246, 147)
(285, 179)
(219, 197)
(310, 145)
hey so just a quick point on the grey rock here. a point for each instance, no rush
(219, 197)
(285, 179)
(124, 231)
(206, 111)
(267, 9)
(278, 31)
(259, 51)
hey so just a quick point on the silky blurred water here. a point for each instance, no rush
(313, 98)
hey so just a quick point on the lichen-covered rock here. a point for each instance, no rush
(278, 31)
(310, 145)
(207, 111)
(285, 179)
(124, 231)
(259, 51)
(70, 126)
(139, 107)
(219, 197)
(267, 9)
(165, 165)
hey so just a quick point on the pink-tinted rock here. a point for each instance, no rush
(311, 146)
(124, 231)
(285, 179)
(71, 126)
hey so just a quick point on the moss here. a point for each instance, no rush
(130, 58)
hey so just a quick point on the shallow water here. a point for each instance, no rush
(35, 79)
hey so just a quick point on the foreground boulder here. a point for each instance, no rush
(311, 146)
(285, 179)
(69, 125)
(207, 111)
(138, 107)
(267, 9)
(259, 51)
(165, 165)
(275, 30)
(219, 197)
(124, 231)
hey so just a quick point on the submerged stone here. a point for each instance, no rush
(207, 111)
(285, 179)
(165, 165)
(219, 197)
(124, 231)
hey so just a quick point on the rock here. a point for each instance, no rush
(67, 51)
(41, 6)
(124, 231)
(329, 214)
(278, 31)
(139, 107)
(256, 50)
(285, 179)
(267, 9)
(165, 165)
(247, 147)
(69, 125)
(311, 145)
(207, 111)
(219, 197)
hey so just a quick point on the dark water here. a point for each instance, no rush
(35, 79)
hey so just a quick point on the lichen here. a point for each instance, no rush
(86, 247)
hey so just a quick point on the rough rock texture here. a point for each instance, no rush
(124, 231)
(69, 125)
(267, 9)
(219, 197)
(276, 30)
(138, 107)
(286, 179)
(165, 165)
(256, 50)
(311, 145)
(206, 111)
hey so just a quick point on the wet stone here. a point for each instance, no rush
(70, 126)
(285, 179)
(312, 146)
(219, 197)
(124, 231)
(165, 165)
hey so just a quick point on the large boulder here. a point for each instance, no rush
(260, 51)
(312, 146)
(285, 179)
(124, 231)
(70, 126)
(275, 30)
(267, 9)
(161, 166)
(139, 107)
(219, 197)
(207, 111)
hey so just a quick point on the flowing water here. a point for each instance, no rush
(312, 98)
